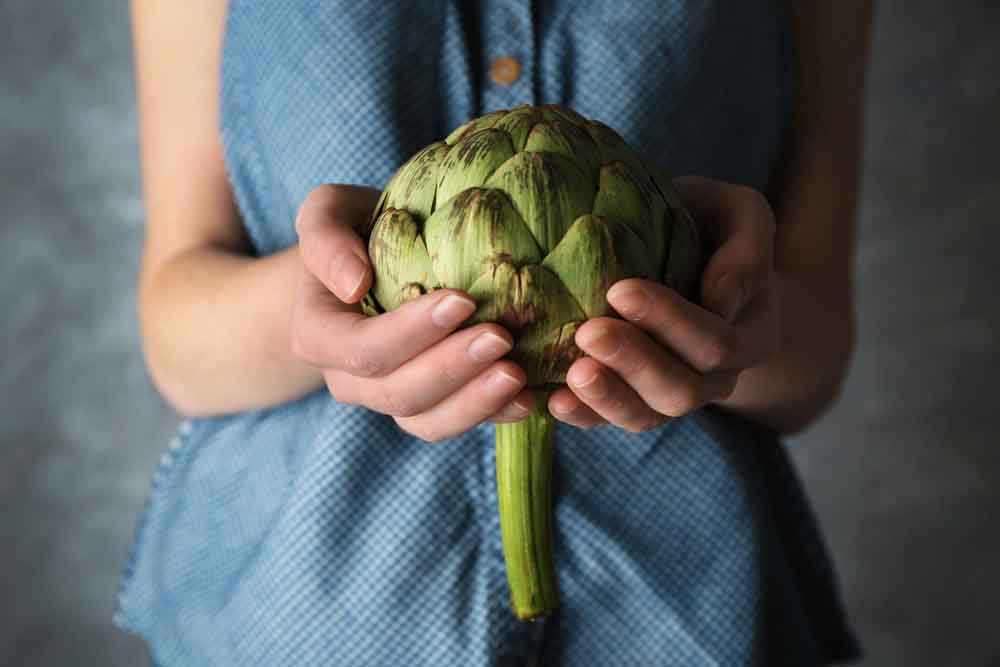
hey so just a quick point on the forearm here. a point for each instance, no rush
(215, 331)
(802, 378)
(814, 195)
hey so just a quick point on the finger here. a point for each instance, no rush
(343, 387)
(432, 376)
(327, 335)
(517, 409)
(664, 383)
(332, 250)
(471, 405)
(703, 339)
(567, 407)
(740, 226)
(604, 392)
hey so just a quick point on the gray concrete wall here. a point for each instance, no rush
(903, 472)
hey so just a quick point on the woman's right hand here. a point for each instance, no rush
(409, 363)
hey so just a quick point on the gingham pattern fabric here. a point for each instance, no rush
(316, 533)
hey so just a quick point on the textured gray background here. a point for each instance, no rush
(903, 471)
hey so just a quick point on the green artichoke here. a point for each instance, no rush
(535, 212)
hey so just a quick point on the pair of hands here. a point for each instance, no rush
(665, 358)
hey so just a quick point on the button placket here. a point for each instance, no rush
(509, 44)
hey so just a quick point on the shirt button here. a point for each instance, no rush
(504, 71)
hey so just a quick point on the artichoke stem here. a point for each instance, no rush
(524, 453)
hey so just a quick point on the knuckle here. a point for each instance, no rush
(682, 400)
(753, 269)
(450, 372)
(614, 406)
(393, 403)
(716, 354)
(363, 365)
(637, 365)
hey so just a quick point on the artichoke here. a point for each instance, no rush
(535, 212)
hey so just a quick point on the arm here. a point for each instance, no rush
(214, 319)
(224, 331)
(814, 201)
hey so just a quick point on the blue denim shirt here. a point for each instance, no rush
(316, 533)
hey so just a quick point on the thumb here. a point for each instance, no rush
(737, 271)
(739, 223)
(332, 251)
(730, 293)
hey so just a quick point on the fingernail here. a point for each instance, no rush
(598, 342)
(488, 347)
(561, 409)
(592, 387)
(630, 302)
(452, 311)
(513, 411)
(502, 383)
(731, 290)
(350, 275)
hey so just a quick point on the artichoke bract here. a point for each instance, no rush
(535, 212)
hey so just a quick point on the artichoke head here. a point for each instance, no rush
(535, 212)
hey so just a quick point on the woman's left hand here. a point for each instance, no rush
(669, 356)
